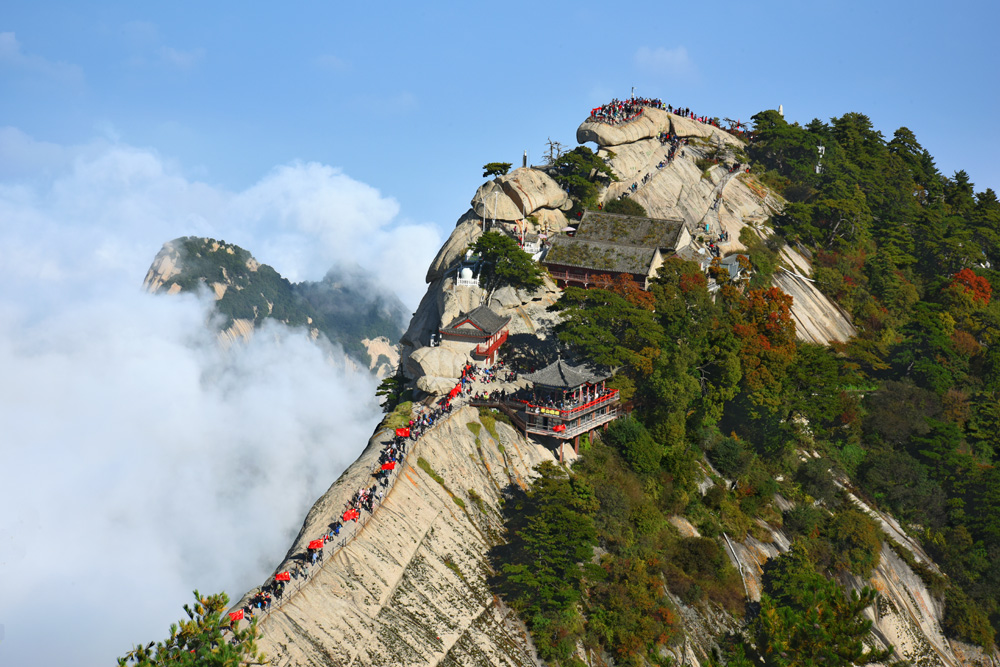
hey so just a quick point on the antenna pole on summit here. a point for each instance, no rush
(633, 92)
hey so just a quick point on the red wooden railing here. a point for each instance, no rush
(567, 414)
(492, 347)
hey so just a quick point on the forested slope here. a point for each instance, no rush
(904, 415)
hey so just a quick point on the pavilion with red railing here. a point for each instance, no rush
(565, 402)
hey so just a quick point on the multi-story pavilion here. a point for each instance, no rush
(566, 401)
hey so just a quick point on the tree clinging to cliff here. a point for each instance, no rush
(505, 264)
(200, 640)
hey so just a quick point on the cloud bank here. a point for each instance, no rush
(142, 461)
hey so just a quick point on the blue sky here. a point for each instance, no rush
(412, 98)
(313, 133)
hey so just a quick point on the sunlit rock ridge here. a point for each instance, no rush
(409, 588)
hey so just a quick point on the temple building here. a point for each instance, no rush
(565, 402)
(606, 244)
(482, 329)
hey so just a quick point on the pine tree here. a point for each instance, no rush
(204, 640)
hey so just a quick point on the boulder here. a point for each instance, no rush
(531, 189)
(466, 232)
(518, 194)
(685, 127)
(650, 124)
(550, 219)
(492, 203)
(437, 362)
(435, 385)
(506, 297)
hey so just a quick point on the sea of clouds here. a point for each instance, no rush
(140, 459)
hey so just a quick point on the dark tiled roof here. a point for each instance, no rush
(599, 256)
(630, 230)
(562, 375)
(482, 318)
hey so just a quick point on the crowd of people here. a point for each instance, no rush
(498, 372)
(618, 111)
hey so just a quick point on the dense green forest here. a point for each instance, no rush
(344, 306)
(906, 415)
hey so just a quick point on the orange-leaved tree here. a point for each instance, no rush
(762, 322)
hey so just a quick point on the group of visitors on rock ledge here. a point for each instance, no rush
(622, 111)
(619, 112)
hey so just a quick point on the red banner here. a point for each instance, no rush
(559, 427)
(351, 515)
(283, 576)
(316, 544)
(403, 432)
(389, 466)
(236, 615)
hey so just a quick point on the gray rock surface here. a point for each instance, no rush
(649, 125)
(817, 318)
(467, 231)
(442, 361)
(531, 189)
(409, 589)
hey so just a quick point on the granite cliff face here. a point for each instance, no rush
(409, 587)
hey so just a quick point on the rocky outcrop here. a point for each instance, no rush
(165, 266)
(467, 230)
(409, 588)
(519, 194)
(384, 355)
(650, 124)
(817, 318)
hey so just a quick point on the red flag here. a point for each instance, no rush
(316, 544)
(236, 615)
(403, 432)
(389, 466)
(559, 427)
(355, 514)
(283, 576)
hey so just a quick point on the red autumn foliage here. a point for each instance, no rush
(624, 286)
(767, 332)
(692, 281)
(977, 286)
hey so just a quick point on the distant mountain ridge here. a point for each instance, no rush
(346, 306)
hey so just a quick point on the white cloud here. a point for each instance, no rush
(149, 462)
(14, 59)
(663, 61)
(180, 58)
(332, 63)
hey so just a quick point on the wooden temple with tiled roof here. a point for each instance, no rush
(482, 327)
(607, 244)
(566, 401)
